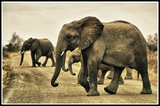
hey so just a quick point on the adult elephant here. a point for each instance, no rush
(119, 44)
(38, 47)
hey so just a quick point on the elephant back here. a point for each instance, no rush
(46, 46)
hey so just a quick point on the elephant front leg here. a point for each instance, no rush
(38, 55)
(83, 74)
(112, 88)
(92, 70)
(82, 79)
(33, 59)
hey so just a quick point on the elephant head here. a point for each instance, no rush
(30, 44)
(74, 57)
(81, 33)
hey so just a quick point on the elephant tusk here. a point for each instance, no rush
(22, 52)
(62, 53)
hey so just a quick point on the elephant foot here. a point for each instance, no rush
(85, 85)
(109, 90)
(43, 65)
(121, 82)
(73, 74)
(146, 91)
(128, 77)
(33, 65)
(39, 63)
(93, 93)
(109, 77)
(87, 88)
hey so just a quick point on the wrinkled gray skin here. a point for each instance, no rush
(75, 57)
(118, 44)
(38, 48)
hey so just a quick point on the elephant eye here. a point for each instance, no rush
(69, 36)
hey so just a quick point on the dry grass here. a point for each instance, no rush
(7, 67)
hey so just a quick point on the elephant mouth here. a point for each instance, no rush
(71, 47)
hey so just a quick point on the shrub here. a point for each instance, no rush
(14, 43)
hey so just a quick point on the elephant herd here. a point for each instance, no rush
(100, 46)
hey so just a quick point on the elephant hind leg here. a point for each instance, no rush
(145, 79)
(53, 62)
(128, 73)
(113, 86)
(45, 62)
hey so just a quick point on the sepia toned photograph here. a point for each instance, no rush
(77, 53)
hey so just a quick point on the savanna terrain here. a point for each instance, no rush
(31, 85)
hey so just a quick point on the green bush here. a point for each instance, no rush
(14, 43)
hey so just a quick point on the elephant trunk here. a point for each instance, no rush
(63, 63)
(59, 61)
(22, 56)
(70, 66)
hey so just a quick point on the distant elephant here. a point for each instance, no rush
(152, 46)
(38, 47)
(128, 74)
(104, 69)
(118, 44)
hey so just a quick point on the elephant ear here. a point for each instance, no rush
(90, 29)
(35, 44)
